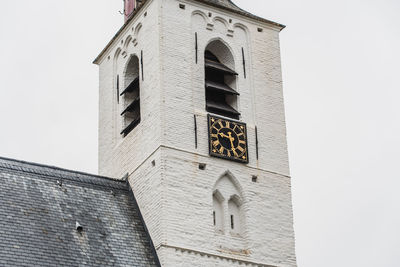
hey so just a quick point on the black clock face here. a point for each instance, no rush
(227, 139)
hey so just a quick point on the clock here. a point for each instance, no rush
(227, 139)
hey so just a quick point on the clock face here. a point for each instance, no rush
(227, 139)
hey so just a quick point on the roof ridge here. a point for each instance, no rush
(61, 173)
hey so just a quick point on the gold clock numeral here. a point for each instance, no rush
(220, 124)
(241, 149)
(221, 150)
(214, 135)
(242, 142)
(216, 143)
(235, 153)
(229, 153)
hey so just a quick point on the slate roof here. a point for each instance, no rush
(227, 5)
(39, 208)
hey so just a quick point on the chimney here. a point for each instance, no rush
(129, 7)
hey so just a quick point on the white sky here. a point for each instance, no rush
(341, 63)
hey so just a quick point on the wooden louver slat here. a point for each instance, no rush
(223, 88)
(211, 64)
(221, 107)
(131, 87)
(131, 106)
(130, 126)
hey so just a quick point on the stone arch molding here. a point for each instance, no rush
(131, 69)
(233, 180)
(228, 210)
(201, 14)
(127, 41)
(220, 25)
(219, 47)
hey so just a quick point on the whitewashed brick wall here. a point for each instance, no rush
(174, 195)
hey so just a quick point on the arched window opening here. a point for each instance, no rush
(234, 214)
(218, 211)
(131, 94)
(220, 80)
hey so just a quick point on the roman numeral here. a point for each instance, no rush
(241, 149)
(235, 153)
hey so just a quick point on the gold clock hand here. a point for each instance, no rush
(223, 135)
(231, 139)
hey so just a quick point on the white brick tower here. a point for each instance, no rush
(191, 111)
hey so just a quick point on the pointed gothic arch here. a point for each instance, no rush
(228, 212)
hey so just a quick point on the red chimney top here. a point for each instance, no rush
(129, 6)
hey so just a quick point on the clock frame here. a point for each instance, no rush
(227, 139)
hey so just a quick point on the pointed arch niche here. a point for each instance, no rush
(228, 212)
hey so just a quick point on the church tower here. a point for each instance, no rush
(191, 113)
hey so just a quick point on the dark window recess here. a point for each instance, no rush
(195, 131)
(196, 47)
(141, 64)
(244, 63)
(118, 89)
(217, 91)
(232, 222)
(215, 222)
(131, 97)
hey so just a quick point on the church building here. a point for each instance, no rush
(192, 131)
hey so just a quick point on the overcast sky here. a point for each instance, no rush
(341, 70)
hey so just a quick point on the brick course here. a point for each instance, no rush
(174, 195)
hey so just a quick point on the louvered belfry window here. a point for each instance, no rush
(219, 95)
(131, 96)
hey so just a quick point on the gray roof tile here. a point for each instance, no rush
(38, 219)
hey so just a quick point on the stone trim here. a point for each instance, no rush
(214, 255)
